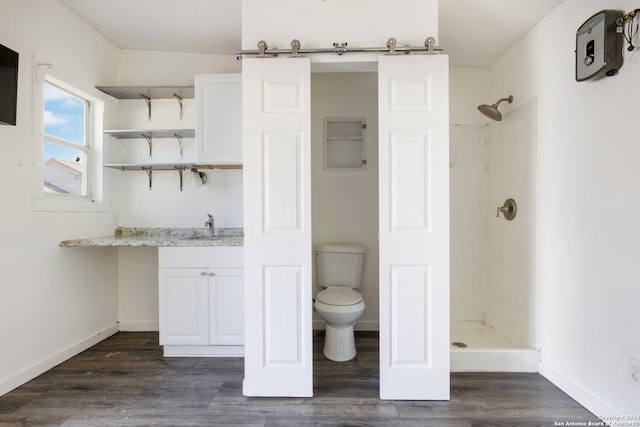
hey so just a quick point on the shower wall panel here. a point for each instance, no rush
(511, 244)
(468, 207)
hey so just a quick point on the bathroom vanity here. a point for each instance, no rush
(200, 286)
(201, 297)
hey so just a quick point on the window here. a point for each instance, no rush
(67, 150)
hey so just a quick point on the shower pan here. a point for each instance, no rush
(477, 347)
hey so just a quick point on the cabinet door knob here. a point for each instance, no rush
(211, 274)
(203, 274)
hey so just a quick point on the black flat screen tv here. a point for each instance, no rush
(8, 85)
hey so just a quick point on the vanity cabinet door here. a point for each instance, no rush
(226, 305)
(184, 311)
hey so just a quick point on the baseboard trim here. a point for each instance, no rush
(203, 351)
(38, 368)
(576, 392)
(139, 326)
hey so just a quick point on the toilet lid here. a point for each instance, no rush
(339, 296)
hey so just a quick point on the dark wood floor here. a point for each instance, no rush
(125, 381)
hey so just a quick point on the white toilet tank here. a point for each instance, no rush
(339, 265)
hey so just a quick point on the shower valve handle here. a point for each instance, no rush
(504, 209)
(509, 209)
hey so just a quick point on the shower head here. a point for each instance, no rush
(491, 111)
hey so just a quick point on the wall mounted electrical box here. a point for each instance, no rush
(599, 46)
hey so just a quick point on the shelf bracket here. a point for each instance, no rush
(148, 101)
(150, 175)
(180, 170)
(150, 142)
(180, 144)
(179, 98)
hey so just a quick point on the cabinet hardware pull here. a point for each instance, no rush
(212, 274)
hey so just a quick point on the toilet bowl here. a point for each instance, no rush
(340, 315)
(340, 270)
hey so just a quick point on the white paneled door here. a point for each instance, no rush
(277, 226)
(414, 227)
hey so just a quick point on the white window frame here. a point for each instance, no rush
(86, 148)
(93, 200)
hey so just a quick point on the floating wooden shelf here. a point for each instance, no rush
(177, 167)
(153, 92)
(147, 93)
(150, 134)
(167, 166)
(153, 133)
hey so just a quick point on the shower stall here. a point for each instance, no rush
(492, 257)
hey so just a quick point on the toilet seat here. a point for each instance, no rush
(342, 296)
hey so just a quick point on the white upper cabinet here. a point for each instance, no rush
(219, 119)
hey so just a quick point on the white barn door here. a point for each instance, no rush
(414, 227)
(277, 226)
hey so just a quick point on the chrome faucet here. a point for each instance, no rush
(210, 225)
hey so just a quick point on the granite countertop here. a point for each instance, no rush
(127, 237)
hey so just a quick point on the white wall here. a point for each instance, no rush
(588, 209)
(468, 88)
(345, 203)
(142, 67)
(165, 205)
(53, 301)
(319, 24)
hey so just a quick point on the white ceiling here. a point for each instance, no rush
(473, 32)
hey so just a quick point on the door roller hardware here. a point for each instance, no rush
(339, 48)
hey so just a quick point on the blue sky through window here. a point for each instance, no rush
(64, 118)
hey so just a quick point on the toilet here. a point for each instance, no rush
(339, 268)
